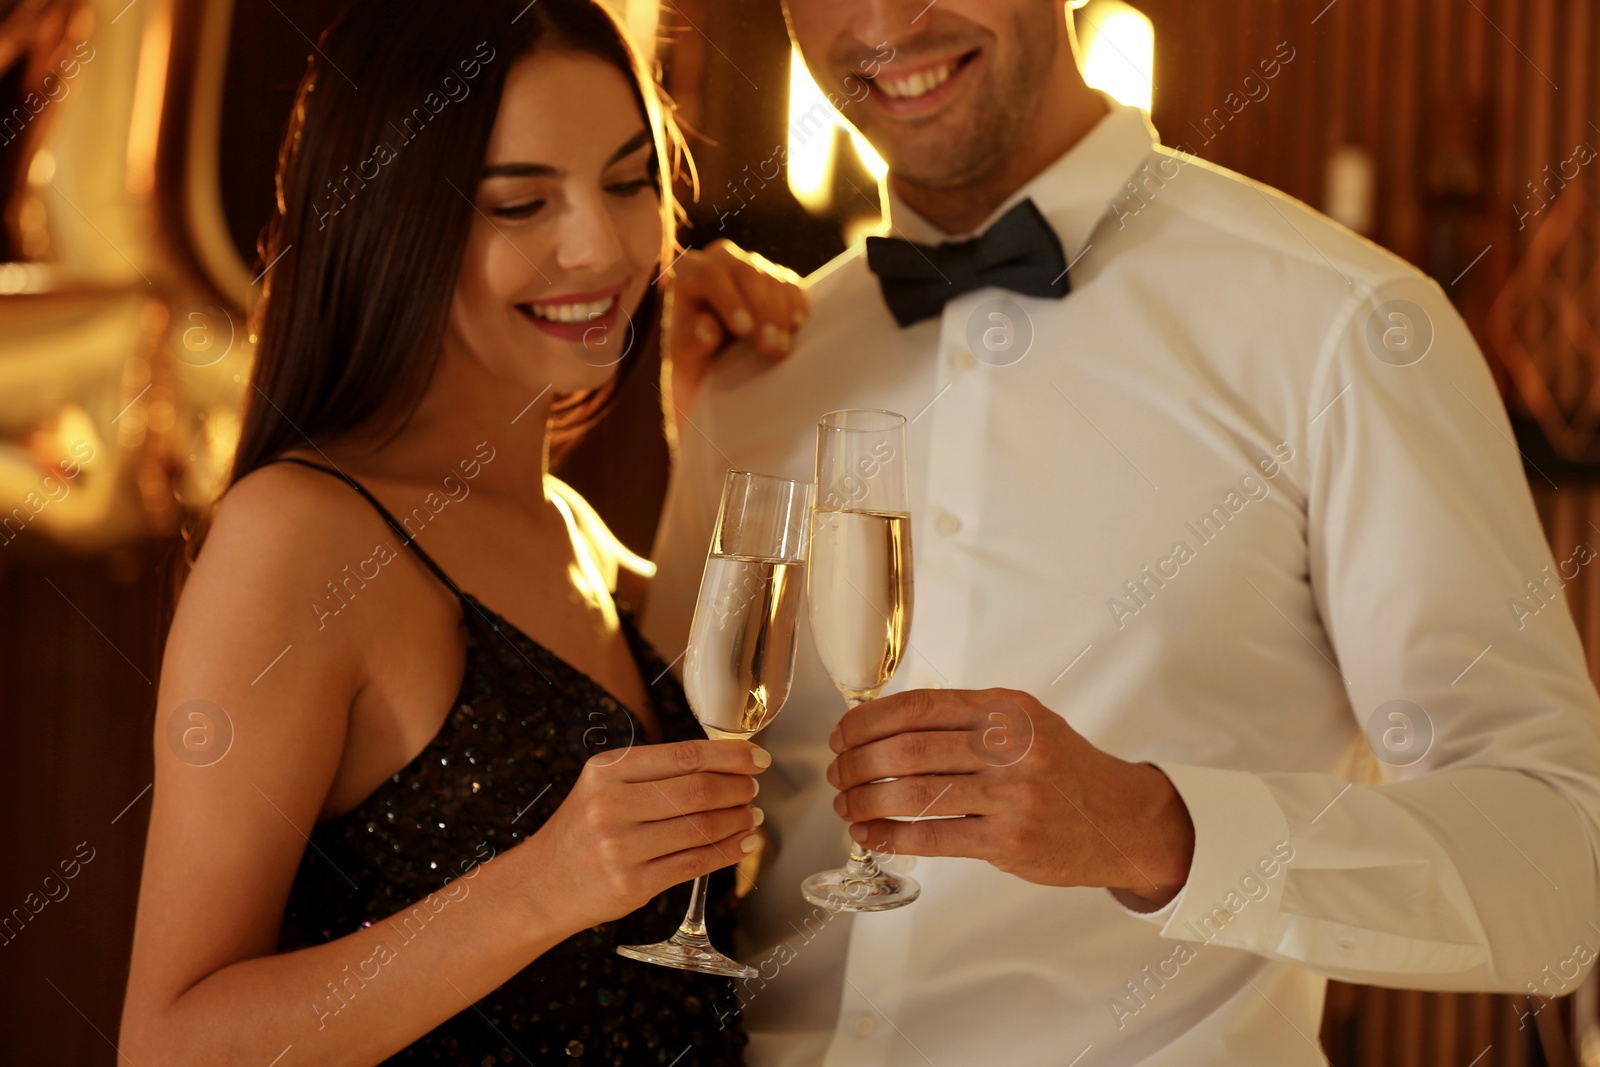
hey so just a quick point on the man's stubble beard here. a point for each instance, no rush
(995, 128)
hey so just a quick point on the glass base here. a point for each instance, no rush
(688, 954)
(860, 886)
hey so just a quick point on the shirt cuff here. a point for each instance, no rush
(1241, 851)
(1157, 917)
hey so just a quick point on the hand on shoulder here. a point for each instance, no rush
(720, 294)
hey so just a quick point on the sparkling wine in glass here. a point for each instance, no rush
(860, 597)
(740, 660)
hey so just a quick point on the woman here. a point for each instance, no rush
(375, 837)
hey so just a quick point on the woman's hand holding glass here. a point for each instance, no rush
(740, 659)
(641, 820)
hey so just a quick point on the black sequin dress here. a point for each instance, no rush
(523, 724)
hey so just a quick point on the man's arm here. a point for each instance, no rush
(1472, 865)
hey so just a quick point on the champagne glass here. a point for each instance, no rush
(860, 597)
(740, 660)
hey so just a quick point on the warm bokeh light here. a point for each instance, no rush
(1119, 45)
(875, 164)
(811, 137)
(813, 140)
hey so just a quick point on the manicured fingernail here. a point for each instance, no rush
(706, 330)
(742, 322)
(858, 833)
(774, 339)
(757, 782)
(750, 843)
(760, 815)
(761, 756)
(836, 740)
(832, 774)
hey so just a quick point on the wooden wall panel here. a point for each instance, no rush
(1496, 90)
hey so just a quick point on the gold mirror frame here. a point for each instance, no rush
(126, 348)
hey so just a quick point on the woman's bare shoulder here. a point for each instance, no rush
(286, 516)
(277, 536)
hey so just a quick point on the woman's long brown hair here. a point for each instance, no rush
(375, 184)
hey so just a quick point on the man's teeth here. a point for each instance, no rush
(914, 85)
(572, 312)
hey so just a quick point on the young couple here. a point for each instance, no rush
(441, 810)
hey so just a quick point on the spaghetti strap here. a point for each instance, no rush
(405, 538)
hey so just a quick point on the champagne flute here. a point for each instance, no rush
(860, 598)
(740, 660)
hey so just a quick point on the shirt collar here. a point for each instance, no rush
(1074, 192)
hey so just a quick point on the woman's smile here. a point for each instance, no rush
(576, 316)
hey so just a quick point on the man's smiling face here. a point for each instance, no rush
(952, 83)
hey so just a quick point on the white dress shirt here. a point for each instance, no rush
(1231, 503)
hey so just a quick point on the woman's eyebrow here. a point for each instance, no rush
(545, 170)
(630, 146)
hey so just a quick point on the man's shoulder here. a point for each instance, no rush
(843, 301)
(846, 301)
(1237, 213)
(840, 281)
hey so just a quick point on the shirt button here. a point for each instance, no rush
(948, 525)
(964, 359)
(864, 1025)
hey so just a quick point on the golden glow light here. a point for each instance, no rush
(811, 137)
(813, 122)
(1119, 49)
(869, 156)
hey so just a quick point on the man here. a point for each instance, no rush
(1197, 535)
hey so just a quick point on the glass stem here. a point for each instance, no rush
(863, 864)
(693, 927)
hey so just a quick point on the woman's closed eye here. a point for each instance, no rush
(632, 187)
(528, 208)
(518, 211)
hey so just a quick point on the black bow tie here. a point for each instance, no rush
(1019, 252)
